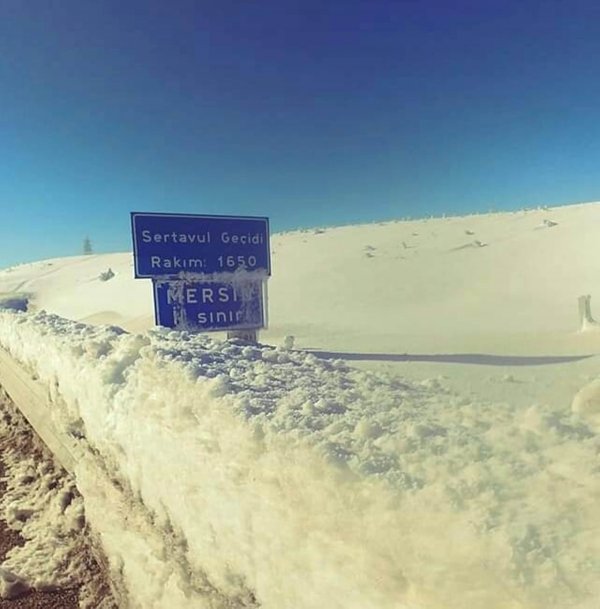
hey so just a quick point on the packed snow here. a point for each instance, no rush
(420, 433)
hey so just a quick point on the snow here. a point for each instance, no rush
(11, 585)
(40, 515)
(454, 464)
(41, 502)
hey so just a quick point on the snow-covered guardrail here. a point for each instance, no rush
(230, 475)
(32, 400)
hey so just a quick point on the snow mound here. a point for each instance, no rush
(228, 474)
(588, 325)
(473, 244)
(546, 223)
(11, 585)
(586, 404)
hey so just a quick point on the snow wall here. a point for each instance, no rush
(218, 474)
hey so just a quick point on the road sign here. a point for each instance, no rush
(172, 245)
(209, 305)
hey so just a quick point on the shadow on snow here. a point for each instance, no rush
(454, 358)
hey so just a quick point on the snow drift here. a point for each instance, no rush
(220, 474)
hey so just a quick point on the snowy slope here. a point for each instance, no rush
(490, 284)
(450, 471)
(500, 279)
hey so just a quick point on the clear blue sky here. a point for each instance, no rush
(309, 112)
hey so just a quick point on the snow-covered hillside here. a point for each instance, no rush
(500, 276)
(425, 446)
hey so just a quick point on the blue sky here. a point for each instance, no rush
(309, 112)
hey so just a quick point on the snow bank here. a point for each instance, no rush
(225, 475)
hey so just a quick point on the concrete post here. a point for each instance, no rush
(585, 310)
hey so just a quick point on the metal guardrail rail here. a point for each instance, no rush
(31, 398)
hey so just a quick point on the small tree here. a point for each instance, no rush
(87, 246)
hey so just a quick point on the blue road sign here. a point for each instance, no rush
(209, 306)
(172, 245)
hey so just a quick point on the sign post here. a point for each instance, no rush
(209, 272)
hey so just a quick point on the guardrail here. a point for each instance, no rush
(31, 399)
